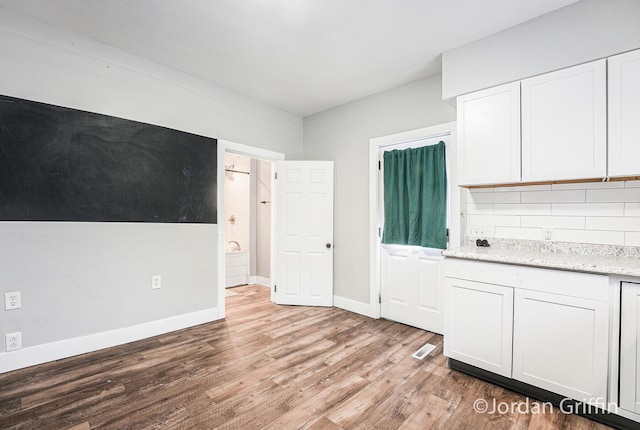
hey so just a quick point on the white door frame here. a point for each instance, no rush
(375, 144)
(225, 146)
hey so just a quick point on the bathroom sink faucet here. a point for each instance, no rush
(235, 247)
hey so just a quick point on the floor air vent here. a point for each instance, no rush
(424, 351)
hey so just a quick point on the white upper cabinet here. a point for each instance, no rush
(564, 129)
(489, 135)
(624, 114)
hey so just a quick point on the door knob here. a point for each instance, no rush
(328, 245)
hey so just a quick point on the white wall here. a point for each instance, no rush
(597, 212)
(82, 279)
(263, 219)
(78, 279)
(342, 134)
(260, 229)
(578, 33)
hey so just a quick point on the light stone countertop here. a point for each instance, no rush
(603, 259)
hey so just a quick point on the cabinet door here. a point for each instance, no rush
(624, 111)
(629, 342)
(564, 124)
(561, 344)
(489, 136)
(479, 324)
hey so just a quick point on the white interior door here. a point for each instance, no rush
(411, 284)
(304, 233)
(411, 290)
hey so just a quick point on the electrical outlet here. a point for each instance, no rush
(478, 230)
(12, 301)
(547, 233)
(156, 282)
(12, 341)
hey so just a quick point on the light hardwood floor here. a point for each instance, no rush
(265, 366)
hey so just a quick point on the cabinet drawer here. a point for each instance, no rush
(236, 260)
(231, 281)
(236, 271)
(577, 284)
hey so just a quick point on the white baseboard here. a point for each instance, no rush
(69, 347)
(260, 280)
(351, 305)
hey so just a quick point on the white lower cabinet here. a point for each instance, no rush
(560, 344)
(547, 328)
(629, 343)
(236, 269)
(479, 324)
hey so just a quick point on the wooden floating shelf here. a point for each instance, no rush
(568, 181)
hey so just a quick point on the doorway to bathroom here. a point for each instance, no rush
(247, 220)
(301, 227)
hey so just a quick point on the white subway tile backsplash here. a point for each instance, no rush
(564, 196)
(632, 238)
(570, 222)
(632, 209)
(503, 220)
(589, 236)
(479, 198)
(522, 209)
(588, 185)
(479, 209)
(519, 233)
(619, 195)
(523, 188)
(613, 223)
(480, 190)
(593, 212)
(587, 209)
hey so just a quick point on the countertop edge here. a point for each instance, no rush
(546, 263)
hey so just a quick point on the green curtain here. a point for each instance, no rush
(415, 197)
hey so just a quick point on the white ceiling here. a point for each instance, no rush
(302, 56)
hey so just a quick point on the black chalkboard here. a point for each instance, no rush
(60, 164)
